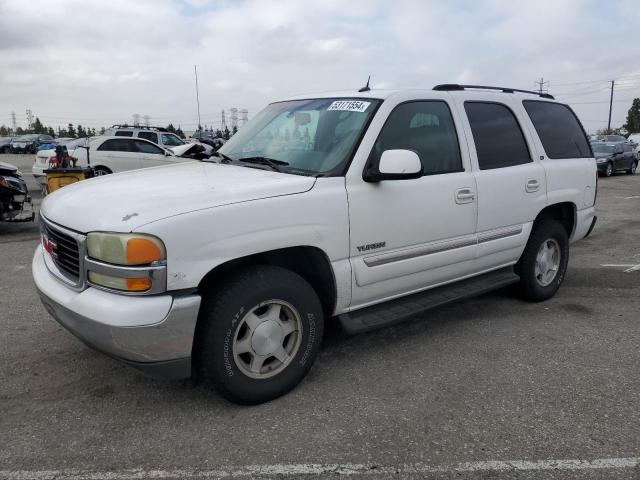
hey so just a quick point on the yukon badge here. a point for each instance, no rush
(371, 246)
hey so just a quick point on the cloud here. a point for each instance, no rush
(99, 62)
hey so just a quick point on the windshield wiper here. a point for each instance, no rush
(270, 162)
(225, 159)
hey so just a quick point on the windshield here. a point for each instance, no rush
(313, 136)
(27, 137)
(602, 148)
(171, 140)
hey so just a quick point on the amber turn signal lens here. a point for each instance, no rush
(142, 251)
(138, 284)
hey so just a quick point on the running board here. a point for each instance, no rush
(400, 309)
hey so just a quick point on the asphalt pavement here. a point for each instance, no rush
(492, 387)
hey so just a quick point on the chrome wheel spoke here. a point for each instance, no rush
(273, 313)
(256, 363)
(252, 321)
(243, 345)
(282, 355)
(288, 327)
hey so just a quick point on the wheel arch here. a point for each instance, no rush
(311, 263)
(563, 212)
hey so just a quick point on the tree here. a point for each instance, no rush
(226, 134)
(51, 132)
(235, 130)
(70, 130)
(171, 128)
(4, 131)
(179, 132)
(102, 130)
(38, 127)
(633, 117)
(81, 132)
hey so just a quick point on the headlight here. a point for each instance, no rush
(601, 160)
(125, 249)
(126, 262)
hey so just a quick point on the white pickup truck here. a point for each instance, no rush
(360, 207)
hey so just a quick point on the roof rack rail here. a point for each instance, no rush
(455, 86)
(140, 127)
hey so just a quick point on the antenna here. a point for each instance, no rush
(366, 87)
(195, 70)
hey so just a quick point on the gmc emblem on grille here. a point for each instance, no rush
(49, 246)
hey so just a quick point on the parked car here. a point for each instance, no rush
(362, 207)
(114, 154)
(158, 135)
(29, 143)
(634, 138)
(614, 157)
(5, 144)
(610, 138)
(15, 201)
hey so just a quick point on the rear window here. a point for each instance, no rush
(124, 133)
(560, 132)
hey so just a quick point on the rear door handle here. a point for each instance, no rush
(464, 195)
(532, 186)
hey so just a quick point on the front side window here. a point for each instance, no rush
(559, 130)
(171, 140)
(146, 147)
(427, 128)
(316, 136)
(499, 140)
(152, 137)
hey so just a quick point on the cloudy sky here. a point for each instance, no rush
(98, 62)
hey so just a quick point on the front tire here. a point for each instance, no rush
(100, 171)
(259, 335)
(543, 263)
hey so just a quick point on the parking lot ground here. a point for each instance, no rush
(488, 388)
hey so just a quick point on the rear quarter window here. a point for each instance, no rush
(559, 130)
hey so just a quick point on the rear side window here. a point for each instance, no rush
(559, 130)
(116, 145)
(153, 137)
(427, 128)
(124, 133)
(498, 137)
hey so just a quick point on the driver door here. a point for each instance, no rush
(412, 234)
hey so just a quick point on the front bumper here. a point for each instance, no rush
(602, 167)
(153, 334)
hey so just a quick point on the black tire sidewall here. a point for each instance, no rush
(546, 230)
(215, 360)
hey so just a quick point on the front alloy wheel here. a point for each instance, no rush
(547, 262)
(609, 171)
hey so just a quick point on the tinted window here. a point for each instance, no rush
(171, 140)
(153, 137)
(497, 135)
(116, 145)
(426, 128)
(559, 130)
(123, 133)
(146, 147)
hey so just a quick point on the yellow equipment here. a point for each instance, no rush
(61, 177)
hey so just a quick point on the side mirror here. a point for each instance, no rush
(395, 165)
(167, 153)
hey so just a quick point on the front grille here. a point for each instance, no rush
(64, 251)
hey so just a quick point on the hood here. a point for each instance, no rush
(125, 201)
(180, 150)
(8, 166)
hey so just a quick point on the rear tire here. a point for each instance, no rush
(259, 335)
(609, 170)
(543, 263)
(632, 169)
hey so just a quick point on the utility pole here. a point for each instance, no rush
(136, 119)
(147, 118)
(541, 85)
(14, 124)
(195, 70)
(29, 118)
(223, 123)
(610, 105)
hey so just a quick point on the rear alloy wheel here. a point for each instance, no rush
(100, 171)
(632, 169)
(609, 170)
(258, 335)
(543, 263)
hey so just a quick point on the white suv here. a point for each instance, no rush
(363, 208)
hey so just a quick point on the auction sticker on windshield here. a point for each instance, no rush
(349, 105)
